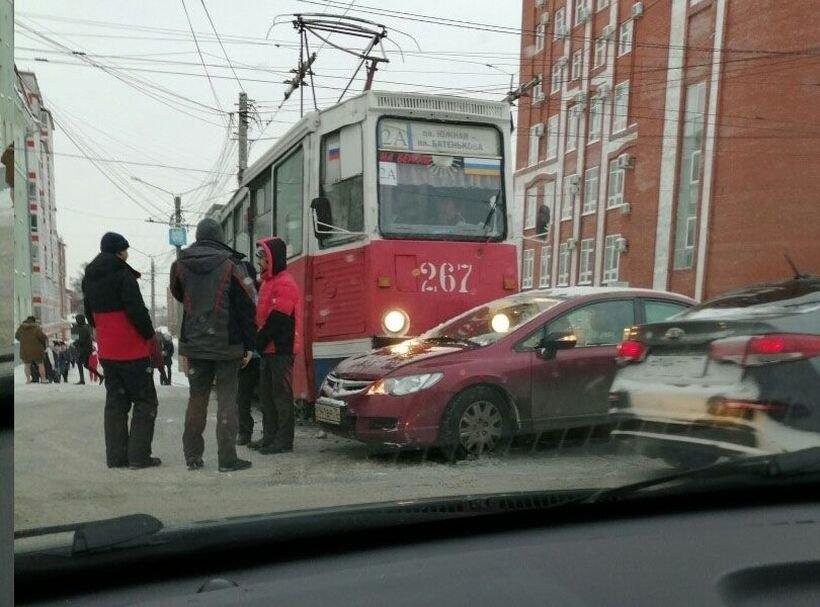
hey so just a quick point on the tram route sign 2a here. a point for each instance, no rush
(177, 237)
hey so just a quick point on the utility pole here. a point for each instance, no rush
(178, 218)
(153, 293)
(243, 136)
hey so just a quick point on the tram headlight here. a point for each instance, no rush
(500, 323)
(395, 322)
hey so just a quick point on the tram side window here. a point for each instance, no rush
(341, 181)
(288, 180)
(262, 196)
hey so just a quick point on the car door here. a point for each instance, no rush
(572, 388)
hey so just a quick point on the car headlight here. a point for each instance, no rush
(399, 386)
(395, 322)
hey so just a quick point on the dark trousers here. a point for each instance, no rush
(248, 379)
(129, 384)
(168, 363)
(65, 375)
(201, 375)
(276, 400)
(163, 379)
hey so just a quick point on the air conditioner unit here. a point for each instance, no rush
(574, 180)
(545, 18)
(603, 91)
(637, 10)
(572, 243)
(539, 2)
(538, 130)
(626, 208)
(621, 245)
(608, 32)
(626, 161)
(562, 60)
(581, 98)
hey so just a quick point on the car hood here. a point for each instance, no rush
(378, 363)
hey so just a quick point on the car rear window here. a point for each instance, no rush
(796, 296)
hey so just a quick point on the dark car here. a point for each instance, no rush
(737, 375)
(527, 363)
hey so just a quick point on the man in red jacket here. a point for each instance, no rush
(279, 329)
(115, 309)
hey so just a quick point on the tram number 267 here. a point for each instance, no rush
(446, 277)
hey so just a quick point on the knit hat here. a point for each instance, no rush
(209, 229)
(113, 243)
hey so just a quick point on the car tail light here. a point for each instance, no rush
(765, 349)
(631, 351)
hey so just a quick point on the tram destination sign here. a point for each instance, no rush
(439, 138)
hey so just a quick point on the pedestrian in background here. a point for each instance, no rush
(248, 382)
(167, 356)
(216, 338)
(279, 327)
(64, 359)
(115, 308)
(32, 346)
(156, 358)
(84, 345)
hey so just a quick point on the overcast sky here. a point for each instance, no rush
(113, 120)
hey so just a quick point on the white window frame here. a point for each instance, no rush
(579, 6)
(592, 178)
(527, 266)
(537, 92)
(568, 198)
(694, 166)
(596, 119)
(601, 4)
(586, 261)
(532, 208)
(557, 78)
(573, 126)
(577, 64)
(553, 126)
(620, 111)
(625, 36)
(534, 145)
(691, 225)
(616, 175)
(560, 23)
(545, 267)
(600, 53)
(549, 199)
(612, 259)
(563, 265)
(540, 33)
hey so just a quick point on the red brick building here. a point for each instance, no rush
(677, 142)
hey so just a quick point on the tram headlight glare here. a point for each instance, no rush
(395, 321)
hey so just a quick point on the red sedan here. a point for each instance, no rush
(527, 363)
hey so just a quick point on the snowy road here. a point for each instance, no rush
(61, 476)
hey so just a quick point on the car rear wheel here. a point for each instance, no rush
(476, 423)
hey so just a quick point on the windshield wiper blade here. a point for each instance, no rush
(494, 204)
(778, 465)
(449, 339)
(94, 536)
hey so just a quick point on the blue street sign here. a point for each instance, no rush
(178, 237)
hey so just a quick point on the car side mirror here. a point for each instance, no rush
(557, 340)
(322, 217)
(542, 221)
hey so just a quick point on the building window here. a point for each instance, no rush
(612, 258)
(532, 209)
(563, 264)
(33, 222)
(615, 189)
(690, 176)
(539, 36)
(585, 272)
(590, 190)
(620, 107)
(549, 199)
(625, 37)
(557, 77)
(538, 92)
(552, 135)
(545, 267)
(535, 141)
(577, 64)
(560, 22)
(568, 200)
(580, 11)
(600, 52)
(601, 4)
(596, 110)
(573, 123)
(526, 269)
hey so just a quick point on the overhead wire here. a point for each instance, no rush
(199, 52)
(222, 46)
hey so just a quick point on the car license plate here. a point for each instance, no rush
(676, 366)
(329, 413)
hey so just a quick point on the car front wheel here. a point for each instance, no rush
(476, 423)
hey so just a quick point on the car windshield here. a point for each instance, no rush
(487, 324)
(276, 257)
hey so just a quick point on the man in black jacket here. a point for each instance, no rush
(217, 337)
(115, 308)
(85, 345)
